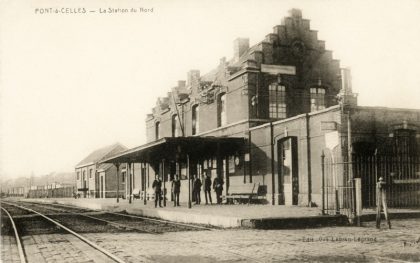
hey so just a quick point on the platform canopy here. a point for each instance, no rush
(175, 148)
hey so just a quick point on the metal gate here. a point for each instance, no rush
(337, 186)
(401, 173)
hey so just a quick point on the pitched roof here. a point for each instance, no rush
(102, 153)
(105, 166)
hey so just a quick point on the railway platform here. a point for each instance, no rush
(227, 216)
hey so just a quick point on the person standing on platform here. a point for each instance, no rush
(157, 188)
(176, 189)
(197, 190)
(218, 188)
(207, 189)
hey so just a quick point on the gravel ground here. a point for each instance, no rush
(14, 211)
(331, 244)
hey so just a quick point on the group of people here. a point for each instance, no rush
(196, 189)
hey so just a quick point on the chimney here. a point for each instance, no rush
(295, 13)
(346, 96)
(346, 81)
(240, 46)
(181, 83)
(193, 77)
(181, 90)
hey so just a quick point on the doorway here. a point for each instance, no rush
(102, 187)
(288, 176)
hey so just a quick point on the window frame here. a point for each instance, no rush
(277, 101)
(221, 110)
(195, 119)
(317, 98)
(174, 126)
(157, 130)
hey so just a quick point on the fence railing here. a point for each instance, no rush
(400, 173)
(52, 193)
(337, 187)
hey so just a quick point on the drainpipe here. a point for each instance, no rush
(350, 164)
(308, 156)
(272, 164)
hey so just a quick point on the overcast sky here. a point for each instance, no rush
(71, 83)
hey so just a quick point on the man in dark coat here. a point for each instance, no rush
(176, 189)
(207, 188)
(157, 188)
(197, 190)
(218, 188)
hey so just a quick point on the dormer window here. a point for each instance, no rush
(157, 130)
(195, 119)
(317, 98)
(175, 131)
(277, 101)
(221, 110)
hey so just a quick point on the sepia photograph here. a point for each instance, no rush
(209, 131)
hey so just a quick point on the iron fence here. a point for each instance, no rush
(337, 187)
(401, 174)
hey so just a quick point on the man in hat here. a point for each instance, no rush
(157, 188)
(176, 189)
(207, 189)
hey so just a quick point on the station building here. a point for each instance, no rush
(97, 180)
(280, 114)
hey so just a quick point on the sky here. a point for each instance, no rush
(74, 82)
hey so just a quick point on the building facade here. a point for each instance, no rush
(279, 114)
(96, 180)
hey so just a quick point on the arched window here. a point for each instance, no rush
(195, 119)
(405, 144)
(221, 110)
(157, 130)
(175, 132)
(84, 179)
(277, 101)
(317, 98)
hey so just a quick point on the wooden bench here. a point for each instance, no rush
(137, 194)
(241, 192)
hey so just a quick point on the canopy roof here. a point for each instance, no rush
(172, 148)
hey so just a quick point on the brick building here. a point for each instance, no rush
(275, 115)
(97, 180)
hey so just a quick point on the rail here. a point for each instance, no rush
(87, 241)
(19, 244)
(144, 218)
(115, 224)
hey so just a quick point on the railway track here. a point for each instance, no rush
(83, 211)
(76, 221)
(22, 256)
(21, 249)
